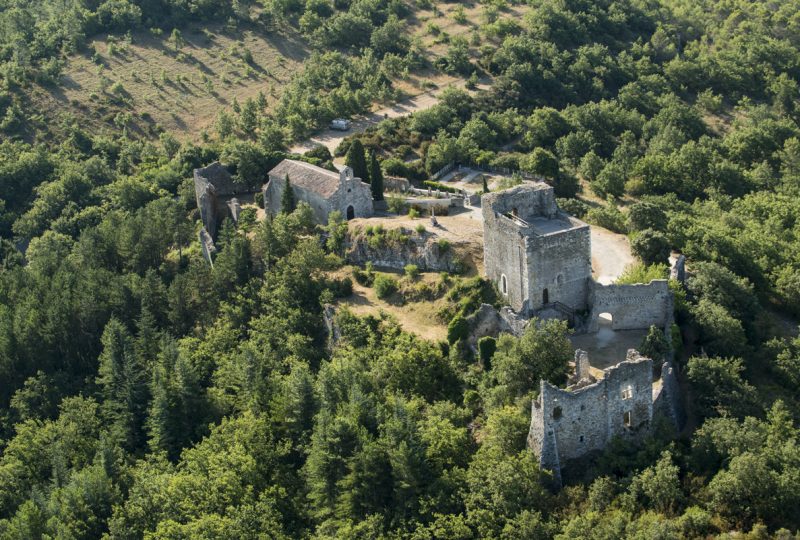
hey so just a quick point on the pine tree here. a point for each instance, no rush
(376, 177)
(356, 160)
(121, 376)
(287, 198)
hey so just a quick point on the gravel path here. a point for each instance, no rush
(331, 138)
(611, 253)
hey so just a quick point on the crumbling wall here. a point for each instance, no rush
(212, 185)
(488, 321)
(632, 306)
(569, 424)
(667, 400)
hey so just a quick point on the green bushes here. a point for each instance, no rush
(457, 329)
(411, 271)
(441, 187)
(385, 286)
(609, 217)
(487, 345)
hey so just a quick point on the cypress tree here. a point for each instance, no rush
(287, 198)
(356, 160)
(376, 177)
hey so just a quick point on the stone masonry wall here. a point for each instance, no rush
(561, 264)
(352, 192)
(632, 306)
(569, 424)
(505, 256)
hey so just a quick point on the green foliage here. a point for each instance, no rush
(411, 271)
(457, 329)
(655, 345)
(385, 286)
(608, 217)
(487, 345)
(651, 247)
(288, 202)
(719, 387)
(543, 352)
(639, 273)
(375, 177)
(439, 186)
(356, 160)
(211, 407)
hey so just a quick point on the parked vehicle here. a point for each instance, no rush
(340, 124)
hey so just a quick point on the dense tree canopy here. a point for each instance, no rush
(148, 394)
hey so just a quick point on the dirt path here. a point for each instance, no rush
(331, 138)
(611, 253)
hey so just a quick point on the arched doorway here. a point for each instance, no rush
(351, 212)
(605, 320)
(545, 296)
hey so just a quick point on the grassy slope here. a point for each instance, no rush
(179, 92)
(161, 88)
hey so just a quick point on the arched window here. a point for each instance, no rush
(503, 284)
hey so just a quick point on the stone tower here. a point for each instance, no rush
(537, 255)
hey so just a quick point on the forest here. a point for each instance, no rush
(147, 394)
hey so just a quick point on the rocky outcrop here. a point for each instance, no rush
(398, 250)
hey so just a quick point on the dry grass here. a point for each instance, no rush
(418, 317)
(179, 90)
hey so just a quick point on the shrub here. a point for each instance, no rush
(396, 204)
(411, 270)
(439, 186)
(420, 229)
(364, 277)
(487, 345)
(573, 207)
(413, 213)
(609, 217)
(652, 247)
(444, 245)
(457, 329)
(641, 273)
(385, 286)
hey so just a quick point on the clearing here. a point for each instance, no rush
(611, 254)
(179, 89)
(415, 317)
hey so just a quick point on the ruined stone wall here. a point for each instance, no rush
(561, 264)
(632, 306)
(667, 399)
(569, 424)
(527, 201)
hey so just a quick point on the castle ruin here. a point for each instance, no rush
(621, 401)
(539, 258)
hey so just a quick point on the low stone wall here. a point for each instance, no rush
(632, 307)
(425, 252)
